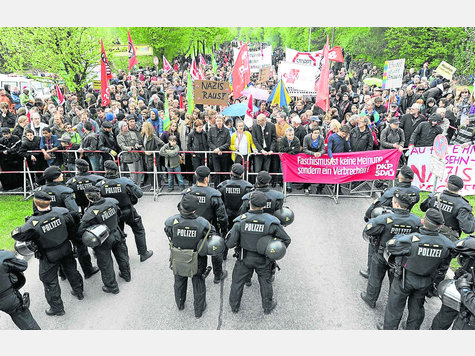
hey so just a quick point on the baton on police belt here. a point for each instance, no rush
(206, 272)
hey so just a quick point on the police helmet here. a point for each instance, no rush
(25, 248)
(285, 215)
(275, 250)
(448, 294)
(213, 246)
(380, 210)
(466, 250)
(95, 235)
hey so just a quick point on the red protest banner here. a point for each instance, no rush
(342, 168)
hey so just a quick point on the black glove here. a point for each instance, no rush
(366, 219)
(464, 282)
(432, 291)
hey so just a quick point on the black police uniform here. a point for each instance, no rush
(126, 193)
(456, 210)
(246, 231)
(79, 183)
(185, 230)
(52, 230)
(425, 259)
(381, 229)
(106, 211)
(232, 191)
(275, 200)
(11, 301)
(62, 196)
(466, 318)
(211, 207)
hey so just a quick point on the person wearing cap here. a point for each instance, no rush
(212, 208)
(68, 158)
(381, 229)
(457, 211)
(177, 228)
(392, 136)
(426, 132)
(246, 231)
(421, 262)
(410, 121)
(313, 123)
(106, 141)
(275, 199)
(52, 229)
(106, 211)
(127, 194)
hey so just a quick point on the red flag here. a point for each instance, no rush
(249, 113)
(202, 61)
(175, 67)
(166, 66)
(241, 72)
(321, 85)
(104, 78)
(132, 57)
(335, 54)
(195, 72)
(181, 103)
(60, 95)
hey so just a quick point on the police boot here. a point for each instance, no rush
(198, 315)
(370, 303)
(146, 256)
(364, 273)
(52, 312)
(379, 326)
(110, 290)
(78, 295)
(93, 272)
(272, 307)
(125, 278)
(223, 276)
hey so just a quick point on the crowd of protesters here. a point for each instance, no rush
(360, 118)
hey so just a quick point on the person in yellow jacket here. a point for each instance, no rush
(241, 142)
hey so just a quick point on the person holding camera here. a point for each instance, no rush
(127, 194)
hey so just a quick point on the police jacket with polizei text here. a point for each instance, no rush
(248, 228)
(79, 183)
(456, 210)
(119, 188)
(232, 191)
(50, 230)
(427, 253)
(185, 230)
(104, 211)
(210, 205)
(9, 265)
(61, 196)
(275, 200)
(386, 226)
(386, 199)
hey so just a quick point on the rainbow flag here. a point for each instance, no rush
(166, 120)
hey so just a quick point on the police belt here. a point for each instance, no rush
(6, 292)
(53, 248)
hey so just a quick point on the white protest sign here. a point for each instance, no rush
(446, 70)
(257, 58)
(459, 161)
(299, 79)
(393, 73)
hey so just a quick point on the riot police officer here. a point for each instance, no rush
(421, 261)
(51, 229)
(405, 177)
(126, 193)
(246, 231)
(82, 180)
(232, 191)
(465, 248)
(11, 301)
(466, 318)
(62, 196)
(106, 211)
(456, 210)
(210, 207)
(186, 231)
(275, 199)
(380, 230)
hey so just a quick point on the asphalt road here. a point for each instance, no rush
(317, 288)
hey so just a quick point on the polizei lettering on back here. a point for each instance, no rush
(185, 233)
(108, 213)
(113, 190)
(252, 227)
(443, 207)
(51, 225)
(83, 186)
(231, 190)
(201, 199)
(429, 252)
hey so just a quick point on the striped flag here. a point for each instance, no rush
(166, 120)
(166, 66)
(60, 95)
(189, 95)
(213, 63)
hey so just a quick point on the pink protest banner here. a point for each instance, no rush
(342, 168)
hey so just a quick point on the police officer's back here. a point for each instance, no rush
(82, 180)
(126, 193)
(380, 230)
(421, 261)
(466, 318)
(51, 229)
(246, 232)
(11, 301)
(275, 199)
(456, 210)
(106, 211)
(185, 231)
(210, 207)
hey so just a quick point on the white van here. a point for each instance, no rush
(37, 89)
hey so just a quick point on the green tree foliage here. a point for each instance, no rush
(464, 57)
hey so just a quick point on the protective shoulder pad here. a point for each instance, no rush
(60, 210)
(215, 193)
(169, 221)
